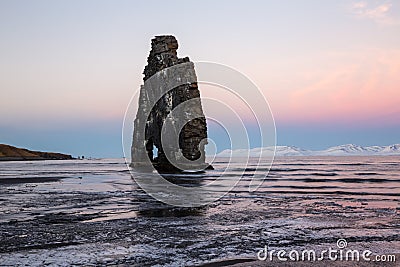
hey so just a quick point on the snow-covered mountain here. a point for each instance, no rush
(342, 150)
(391, 149)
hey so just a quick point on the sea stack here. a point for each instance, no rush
(169, 98)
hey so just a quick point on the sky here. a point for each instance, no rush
(329, 69)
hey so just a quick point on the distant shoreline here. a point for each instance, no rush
(12, 153)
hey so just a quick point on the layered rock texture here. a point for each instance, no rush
(169, 98)
(11, 153)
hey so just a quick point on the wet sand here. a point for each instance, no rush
(100, 217)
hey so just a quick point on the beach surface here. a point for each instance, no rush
(91, 212)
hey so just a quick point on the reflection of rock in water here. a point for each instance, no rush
(169, 211)
(152, 116)
(150, 207)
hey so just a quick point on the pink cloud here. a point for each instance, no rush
(381, 14)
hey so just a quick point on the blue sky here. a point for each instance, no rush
(329, 69)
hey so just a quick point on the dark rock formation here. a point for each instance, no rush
(156, 107)
(11, 153)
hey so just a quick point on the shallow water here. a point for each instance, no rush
(92, 212)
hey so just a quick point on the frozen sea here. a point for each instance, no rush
(91, 212)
